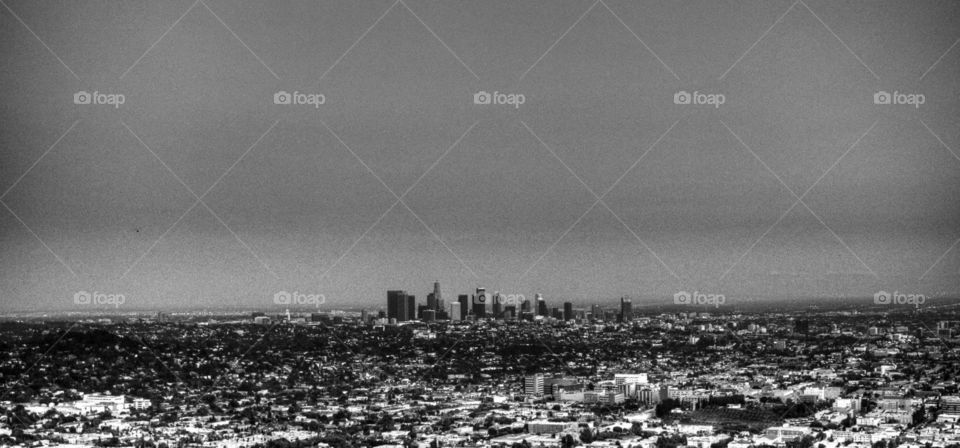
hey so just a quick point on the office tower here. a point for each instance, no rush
(411, 307)
(626, 310)
(480, 303)
(596, 311)
(556, 313)
(509, 312)
(455, 312)
(422, 309)
(396, 305)
(497, 305)
(432, 301)
(429, 315)
(541, 306)
(364, 316)
(533, 384)
(567, 311)
(525, 306)
(437, 296)
(464, 305)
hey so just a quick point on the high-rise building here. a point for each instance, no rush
(567, 311)
(542, 306)
(525, 306)
(464, 300)
(480, 303)
(596, 312)
(429, 315)
(396, 305)
(497, 305)
(364, 316)
(533, 384)
(431, 301)
(437, 296)
(401, 306)
(626, 310)
(455, 313)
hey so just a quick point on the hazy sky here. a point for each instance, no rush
(300, 198)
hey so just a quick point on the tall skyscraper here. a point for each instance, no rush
(480, 303)
(437, 296)
(432, 301)
(497, 305)
(542, 306)
(456, 314)
(626, 310)
(567, 311)
(464, 300)
(397, 305)
(411, 302)
(525, 305)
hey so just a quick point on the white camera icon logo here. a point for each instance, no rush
(882, 97)
(82, 97)
(682, 298)
(282, 298)
(81, 298)
(682, 97)
(482, 97)
(282, 97)
(882, 298)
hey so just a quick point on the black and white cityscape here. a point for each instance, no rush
(480, 224)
